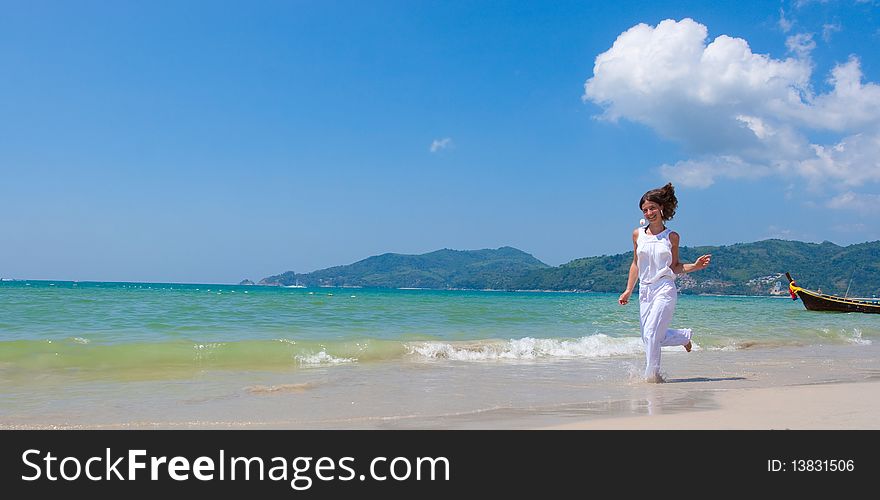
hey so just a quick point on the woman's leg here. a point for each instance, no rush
(676, 337)
(656, 308)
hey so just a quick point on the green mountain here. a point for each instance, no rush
(444, 269)
(745, 268)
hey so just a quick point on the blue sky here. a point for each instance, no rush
(217, 141)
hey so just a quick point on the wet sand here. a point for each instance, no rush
(833, 406)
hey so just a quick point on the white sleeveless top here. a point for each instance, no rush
(654, 257)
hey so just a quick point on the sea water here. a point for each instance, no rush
(120, 353)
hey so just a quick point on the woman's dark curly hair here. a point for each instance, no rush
(665, 197)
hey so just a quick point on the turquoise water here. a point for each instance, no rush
(136, 329)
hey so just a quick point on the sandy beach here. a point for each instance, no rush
(833, 406)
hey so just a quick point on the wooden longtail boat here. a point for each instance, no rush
(815, 301)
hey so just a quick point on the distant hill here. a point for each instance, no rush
(444, 269)
(745, 268)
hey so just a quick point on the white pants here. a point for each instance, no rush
(656, 305)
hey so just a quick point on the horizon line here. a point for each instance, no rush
(65, 280)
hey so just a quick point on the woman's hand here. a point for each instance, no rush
(624, 297)
(702, 262)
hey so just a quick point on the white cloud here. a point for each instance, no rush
(851, 162)
(849, 106)
(859, 202)
(804, 3)
(702, 173)
(756, 125)
(784, 24)
(741, 114)
(669, 79)
(828, 30)
(439, 144)
(801, 44)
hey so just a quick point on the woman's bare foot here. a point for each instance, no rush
(687, 347)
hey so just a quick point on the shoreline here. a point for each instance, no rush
(797, 387)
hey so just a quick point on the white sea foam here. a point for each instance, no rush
(594, 346)
(80, 340)
(322, 358)
(854, 338)
(857, 337)
(204, 347)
